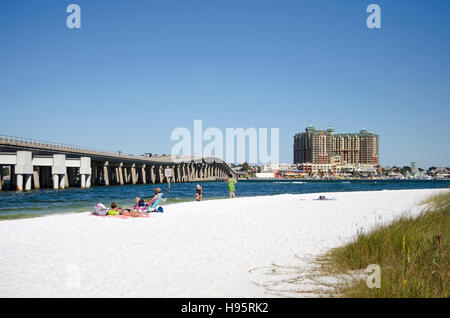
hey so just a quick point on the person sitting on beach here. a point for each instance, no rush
(153, 204)
(140, 204)
(198, 192)
(231, 182)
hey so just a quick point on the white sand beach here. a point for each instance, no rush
(244, 247)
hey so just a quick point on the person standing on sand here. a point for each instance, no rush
(231, 182)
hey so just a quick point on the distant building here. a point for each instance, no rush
(271, 167)
(324, 147)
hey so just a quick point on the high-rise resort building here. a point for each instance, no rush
(323, 150)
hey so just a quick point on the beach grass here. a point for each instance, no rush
(412, 252)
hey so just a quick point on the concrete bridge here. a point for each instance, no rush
(34, 164)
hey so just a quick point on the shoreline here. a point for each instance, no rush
(243, 247)
(48, 202)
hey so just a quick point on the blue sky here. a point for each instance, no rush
(138, 69)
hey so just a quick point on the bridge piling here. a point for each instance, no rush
(143, 175)
(19, 182)
(121, 173)
(27, 178)
(106, 173)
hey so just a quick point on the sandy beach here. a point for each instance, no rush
(244, 247)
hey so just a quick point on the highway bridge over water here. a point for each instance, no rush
(34, 164)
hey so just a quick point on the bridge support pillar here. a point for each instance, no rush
(185, 173)
(59, 171)
(19, 182)
(23, 170)
(121, 174)
(178, 173)
(106, 173)
(83, 180)
(86, 172)
(152, 174)
(27, 181)
(88, 180)
(144, 174)
(36, 171)
(133, 174)
(118, 175)
(55, 181)
(161, 174)
(62, 181)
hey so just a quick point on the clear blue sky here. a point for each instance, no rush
(138, 69)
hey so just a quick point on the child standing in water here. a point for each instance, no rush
(231, 182)
(198, 192)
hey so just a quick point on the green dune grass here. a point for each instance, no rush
(412, 252)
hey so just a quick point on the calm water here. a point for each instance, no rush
(41, 202)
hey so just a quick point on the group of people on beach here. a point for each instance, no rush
(142, 207)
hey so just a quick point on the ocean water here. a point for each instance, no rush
(46, 201)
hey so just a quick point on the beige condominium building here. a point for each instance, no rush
(324, 150)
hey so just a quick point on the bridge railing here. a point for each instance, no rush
(20, 141)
